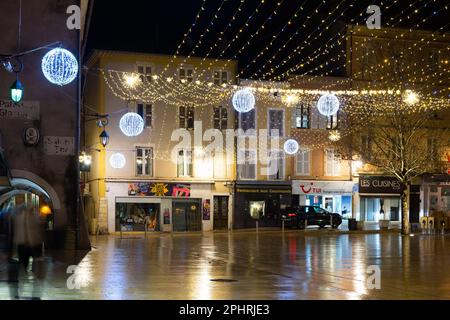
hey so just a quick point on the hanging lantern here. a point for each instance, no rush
(131, 124)
(117, 161)
(291, 147)
(16, 91)
(244, 101)
(60, 66)
(104, 138)
(328, 105)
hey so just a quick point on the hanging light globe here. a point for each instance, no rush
(328, 105)
(244, 101)
(291, 147)
(117, 161)
(60, 66)
(131, 124)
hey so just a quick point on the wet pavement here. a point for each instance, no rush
(250, 265)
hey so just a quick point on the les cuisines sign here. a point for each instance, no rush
(379, 185)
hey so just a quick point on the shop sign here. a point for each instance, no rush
(263, 190)
(379, 185)
(26, 110)
(59, 146)
(160, 189)
(321, 187)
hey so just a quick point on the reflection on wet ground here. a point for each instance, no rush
(248, 265)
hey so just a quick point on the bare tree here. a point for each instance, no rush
(398, 139)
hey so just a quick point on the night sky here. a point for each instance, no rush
(157, 26)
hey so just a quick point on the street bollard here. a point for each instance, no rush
(257, 226)
(331, 222)
(443, 224)
(282, 225)
(430, 225)
(424, 225)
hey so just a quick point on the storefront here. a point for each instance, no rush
(163, 206)
(260, 201)
(435, 194)
(379, 198)
(333, 196)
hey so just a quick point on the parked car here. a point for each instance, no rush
(299, 217)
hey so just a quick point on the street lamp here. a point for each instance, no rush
(16, 91)
(104, 138)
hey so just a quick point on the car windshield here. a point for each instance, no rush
(319, 210)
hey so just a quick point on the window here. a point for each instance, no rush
(333, 121)
(146, 112)
(302, 117)
(144, 161)
(276, 121)
(246, 167)
(247, 120)
(186, 117)
(145, 72)
(186, 74)
(220, 77)
(277, 164)
(303, 162)
(184, 163)
(332, 164)
(220, 118)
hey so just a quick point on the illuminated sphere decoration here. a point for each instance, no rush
(291, 147)
(244, 101)
(328, 105)
(60, 66)
(117, 161)
(131, 124)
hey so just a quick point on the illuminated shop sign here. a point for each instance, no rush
(379, 185)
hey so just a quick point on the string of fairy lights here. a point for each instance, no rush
(201, 94)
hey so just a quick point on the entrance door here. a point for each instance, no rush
(179, 218)
(186, 216)
(221, 213)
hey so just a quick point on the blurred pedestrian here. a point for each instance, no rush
(25, 242)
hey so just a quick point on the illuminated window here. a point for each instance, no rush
(186, 74)
(246, 166)
(184, 163)
(186, 117)
(220, 118)
(146, 112)
(220, 77)
(303, 162)
(144, 161)
(302, 117)
(145, 72)
(332, 164)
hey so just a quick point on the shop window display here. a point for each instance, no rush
(137, 217)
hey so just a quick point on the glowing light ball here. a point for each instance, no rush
(244, 101)
(117, 161)
(131, 124)
(334, 136)
(60, 66)
(328, 105)
(291, 147)
(411, 98)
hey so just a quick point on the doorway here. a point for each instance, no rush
(221, 212)
(186, 216)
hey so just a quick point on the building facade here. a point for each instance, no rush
(39, 135)
(417, 60)
(149, 181)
